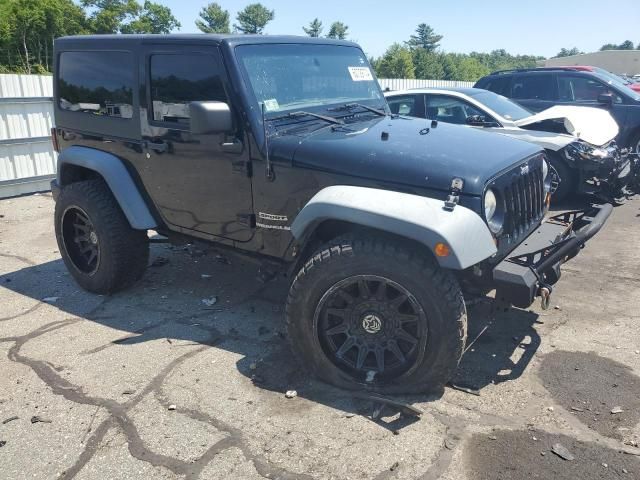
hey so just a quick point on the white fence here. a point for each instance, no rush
(27, 159)
(408, 83)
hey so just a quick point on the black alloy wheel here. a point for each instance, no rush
(80, 240)
(370, 327)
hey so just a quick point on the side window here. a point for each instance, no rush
(99, 83)
(450, 109)
(406, 105)
(497, 84)
(178, 79)
(582, 89)
(533, 87)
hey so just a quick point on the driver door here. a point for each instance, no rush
(199, 183)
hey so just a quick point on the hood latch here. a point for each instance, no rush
(454, 194)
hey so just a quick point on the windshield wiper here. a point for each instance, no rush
(353, 106)
(308, 114)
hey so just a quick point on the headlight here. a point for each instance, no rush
(545, 169)
(493, 213)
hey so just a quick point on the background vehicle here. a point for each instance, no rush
(283, 148)
(592, 163)
(540, 88)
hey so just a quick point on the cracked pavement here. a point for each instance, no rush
(103, 375)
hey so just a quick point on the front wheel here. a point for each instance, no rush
(377, 314)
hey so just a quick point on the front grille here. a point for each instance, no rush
(524, 202)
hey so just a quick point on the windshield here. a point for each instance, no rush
(502, 106)
(288, 77)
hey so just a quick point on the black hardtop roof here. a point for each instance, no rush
(195, 38)
(540, 70)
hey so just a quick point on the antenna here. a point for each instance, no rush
(267, 160)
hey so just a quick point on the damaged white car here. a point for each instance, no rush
(579, 141)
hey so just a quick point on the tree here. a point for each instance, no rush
(213, 19)
(253, 18)
(152, 18)
(108, 16)
(314, 29)
(396, 63)
(426, 38)
(28, 28)
(338, 31)
(568, 52)
(626, 45)
(427, 65)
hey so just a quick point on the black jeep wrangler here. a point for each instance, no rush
(284, 148)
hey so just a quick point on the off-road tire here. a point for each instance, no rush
(435, 289)
(567, 186)
(124, 252)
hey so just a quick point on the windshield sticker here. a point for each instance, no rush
(271, 105)
(360, 74)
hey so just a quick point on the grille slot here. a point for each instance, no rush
(524, 203)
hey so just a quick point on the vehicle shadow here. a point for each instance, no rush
(248, 319)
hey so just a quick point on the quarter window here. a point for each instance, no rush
(99, 83)
(177, 80)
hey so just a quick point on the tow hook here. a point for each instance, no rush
(545, 297)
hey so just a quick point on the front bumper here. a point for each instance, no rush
(612, 178)
(534, 266)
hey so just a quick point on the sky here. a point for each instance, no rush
(536, 27)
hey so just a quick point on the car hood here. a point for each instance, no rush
(406, 151)
(593, 125)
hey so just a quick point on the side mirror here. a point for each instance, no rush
(606, 99)
(210, 117)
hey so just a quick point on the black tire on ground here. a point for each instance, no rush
(88, 219)
(434, 300)
(567, 186)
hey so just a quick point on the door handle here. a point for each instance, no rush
(159, 147)
(233, 146)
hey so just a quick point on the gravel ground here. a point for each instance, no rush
(151, 383)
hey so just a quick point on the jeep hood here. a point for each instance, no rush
(593, 125)
(406, 151)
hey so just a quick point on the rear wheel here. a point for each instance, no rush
(377, 314)
(98, 246)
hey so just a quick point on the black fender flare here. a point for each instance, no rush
(115, 174)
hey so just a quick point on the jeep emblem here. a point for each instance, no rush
(371, 323)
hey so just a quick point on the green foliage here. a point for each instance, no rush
(425, 38)
(253, 18)
(152, 18)
(427, 64)
(28, 27)
(396, 63)
(314, 29)
(338, 31)
(213, 19)
(568, 52)
(109, 16)
(626, 45)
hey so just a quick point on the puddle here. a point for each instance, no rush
(590, 386)
(514, 455)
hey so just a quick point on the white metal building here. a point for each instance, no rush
(617, 61)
